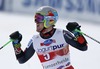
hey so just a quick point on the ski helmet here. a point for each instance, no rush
(46, 15)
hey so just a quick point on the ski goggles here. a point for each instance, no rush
(39, 18)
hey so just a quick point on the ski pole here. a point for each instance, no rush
(87, 36)
(6, 44)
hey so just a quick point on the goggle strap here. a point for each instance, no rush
(45, 24)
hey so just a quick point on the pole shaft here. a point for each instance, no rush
(6, 44)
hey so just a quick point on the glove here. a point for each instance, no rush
(16, 37)
(71, 26)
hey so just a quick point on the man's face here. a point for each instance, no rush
(39, 27)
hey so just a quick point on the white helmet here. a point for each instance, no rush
(49, 14)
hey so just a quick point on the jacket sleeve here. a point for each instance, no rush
(76, 42)
(27, 54)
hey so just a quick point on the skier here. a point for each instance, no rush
(51, 44)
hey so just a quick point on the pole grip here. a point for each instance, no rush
(87, 36)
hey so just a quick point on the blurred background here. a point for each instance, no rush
(19, 15)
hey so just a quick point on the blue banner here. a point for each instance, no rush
(1, 4)
(88, 10)
(80, 6)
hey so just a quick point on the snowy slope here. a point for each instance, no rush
(9, 23)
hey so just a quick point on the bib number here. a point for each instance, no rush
(47, 56)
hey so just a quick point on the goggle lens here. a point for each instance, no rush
(39, 18)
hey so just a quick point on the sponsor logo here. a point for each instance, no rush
(50, 48)
(61, 63)
(48, 42)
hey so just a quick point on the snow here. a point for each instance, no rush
(9, 23)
